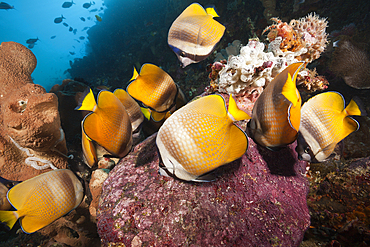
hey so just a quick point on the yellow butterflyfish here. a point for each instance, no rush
(325, 121)
(194, 34)
(276, 113)
(43, 199)
(200, 137)
(108, 124)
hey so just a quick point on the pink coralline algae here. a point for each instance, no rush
(258, 200)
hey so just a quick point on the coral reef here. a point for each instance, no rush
(300, 40)
(258, 200)
(31, 138)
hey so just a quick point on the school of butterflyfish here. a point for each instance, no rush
(193, 139)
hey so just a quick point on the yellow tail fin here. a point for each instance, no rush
(135, 75)
(290, 91)
(9, 218)
(235, 112)
(211, 11)
(88, 102)
(353, 109)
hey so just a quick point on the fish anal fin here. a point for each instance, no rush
(31, 224)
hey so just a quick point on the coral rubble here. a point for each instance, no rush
(31, 138)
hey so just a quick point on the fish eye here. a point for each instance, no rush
(183, 54)
(306, 150)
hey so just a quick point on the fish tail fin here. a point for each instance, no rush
(355, 108)
(135, 74)
(211, 10)
(146, 112)
(87, 101)
(290, 91)
(235, 112)
(9, 218)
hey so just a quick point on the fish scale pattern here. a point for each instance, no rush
(52, 196)
(199, 142)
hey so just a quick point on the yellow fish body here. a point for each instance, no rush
(276, 113)
(108, 124)
(200, 137)
(43, 199)
(155, 89)
(324, 123)
(194, 34)
(132, 108)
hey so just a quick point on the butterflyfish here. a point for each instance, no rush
(325, 121)
(200, 137)
(194, 34)
(155, 89)
(132, 108)
(276, 113)
(108, 124)
(43, 199)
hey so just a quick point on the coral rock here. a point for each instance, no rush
(30, 125)
(258, 200)
(97, 178)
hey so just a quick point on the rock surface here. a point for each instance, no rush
(258, 200)
(29, 117)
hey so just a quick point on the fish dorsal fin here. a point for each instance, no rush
(235, 112)
(290, 91)
(211, 104)
(192, 10)
(211, 11)
(87, 101)
(135, 74)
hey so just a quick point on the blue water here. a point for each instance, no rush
(32, 19)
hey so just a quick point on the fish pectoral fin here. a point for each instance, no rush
(9, 218)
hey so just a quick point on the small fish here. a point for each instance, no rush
(86, 5)
(200, 137)
(325, 121)
(78, 41)
(43, 199)
(32, 41)
(65, 24)
(70, 29)
(81, 37)
(276, 113)
(82, 19)
(67, 4)
(98, 18)
(93, 10)
(5, 6)
(59, 19)
(72, 53)
(155, 89)
(53, 37)
(132, 108)
(74, 31)
(108, 124)
(30, 46)
(194, 34)
(85, 28)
